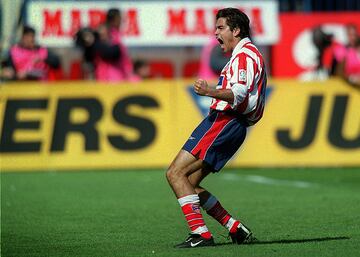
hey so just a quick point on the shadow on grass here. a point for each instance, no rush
(293, 241)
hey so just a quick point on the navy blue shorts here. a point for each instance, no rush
(216, 139)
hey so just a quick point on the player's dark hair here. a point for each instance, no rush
(28, 30)
(112, 13)
(235, 19)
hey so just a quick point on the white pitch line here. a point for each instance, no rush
(268, 181)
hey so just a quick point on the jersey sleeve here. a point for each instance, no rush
(242, 75)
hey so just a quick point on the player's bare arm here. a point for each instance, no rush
(201, 87)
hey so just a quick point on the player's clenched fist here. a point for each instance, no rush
(201, 87)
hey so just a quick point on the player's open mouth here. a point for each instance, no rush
(220, 41)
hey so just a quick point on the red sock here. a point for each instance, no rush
(215, 210)
(219, 213)
(190, 206)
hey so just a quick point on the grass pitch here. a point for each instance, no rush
(293, 212)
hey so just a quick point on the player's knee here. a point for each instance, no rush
(172, 174)
(168, 175)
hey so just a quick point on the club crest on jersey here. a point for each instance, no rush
(242, 75)
(196, 208)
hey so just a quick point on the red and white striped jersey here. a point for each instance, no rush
(245, 75)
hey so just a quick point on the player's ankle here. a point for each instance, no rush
(232, 225)
(206, 235)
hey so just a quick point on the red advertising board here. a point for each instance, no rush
(295, 54)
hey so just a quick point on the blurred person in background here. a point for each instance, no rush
(212, 60)
(142, 69)
(335, 58)
(238, 101)
(348, 63)
(352, 35)
(349, 68)
(28, 61)
(339, 51)
(105, 50)
(322, 41)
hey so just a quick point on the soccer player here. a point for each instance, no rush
(238, 102)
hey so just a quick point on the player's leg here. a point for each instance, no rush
(237, 231)
(180, 169)
(222, 148)
(178, 177)
(211, 204)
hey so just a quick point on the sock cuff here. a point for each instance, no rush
(230, 223)
(200, 230)
(209, 203)
(194, 199)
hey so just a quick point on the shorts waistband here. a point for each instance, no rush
(240, 117)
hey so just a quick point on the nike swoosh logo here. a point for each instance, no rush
(195, 244)
(191, 138)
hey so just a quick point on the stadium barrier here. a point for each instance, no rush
(84, 125)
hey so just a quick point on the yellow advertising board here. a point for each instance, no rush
(306, 124)
(82, 125)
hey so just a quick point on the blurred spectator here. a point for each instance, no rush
(28, 61)
(212, 60)
(322, 42)
(343, 59)
(142, 69)
(346, 59)
(352, 34)
(339, 51)
(105, 50)
(349, 68)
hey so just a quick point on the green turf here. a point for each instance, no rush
(134, 213)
